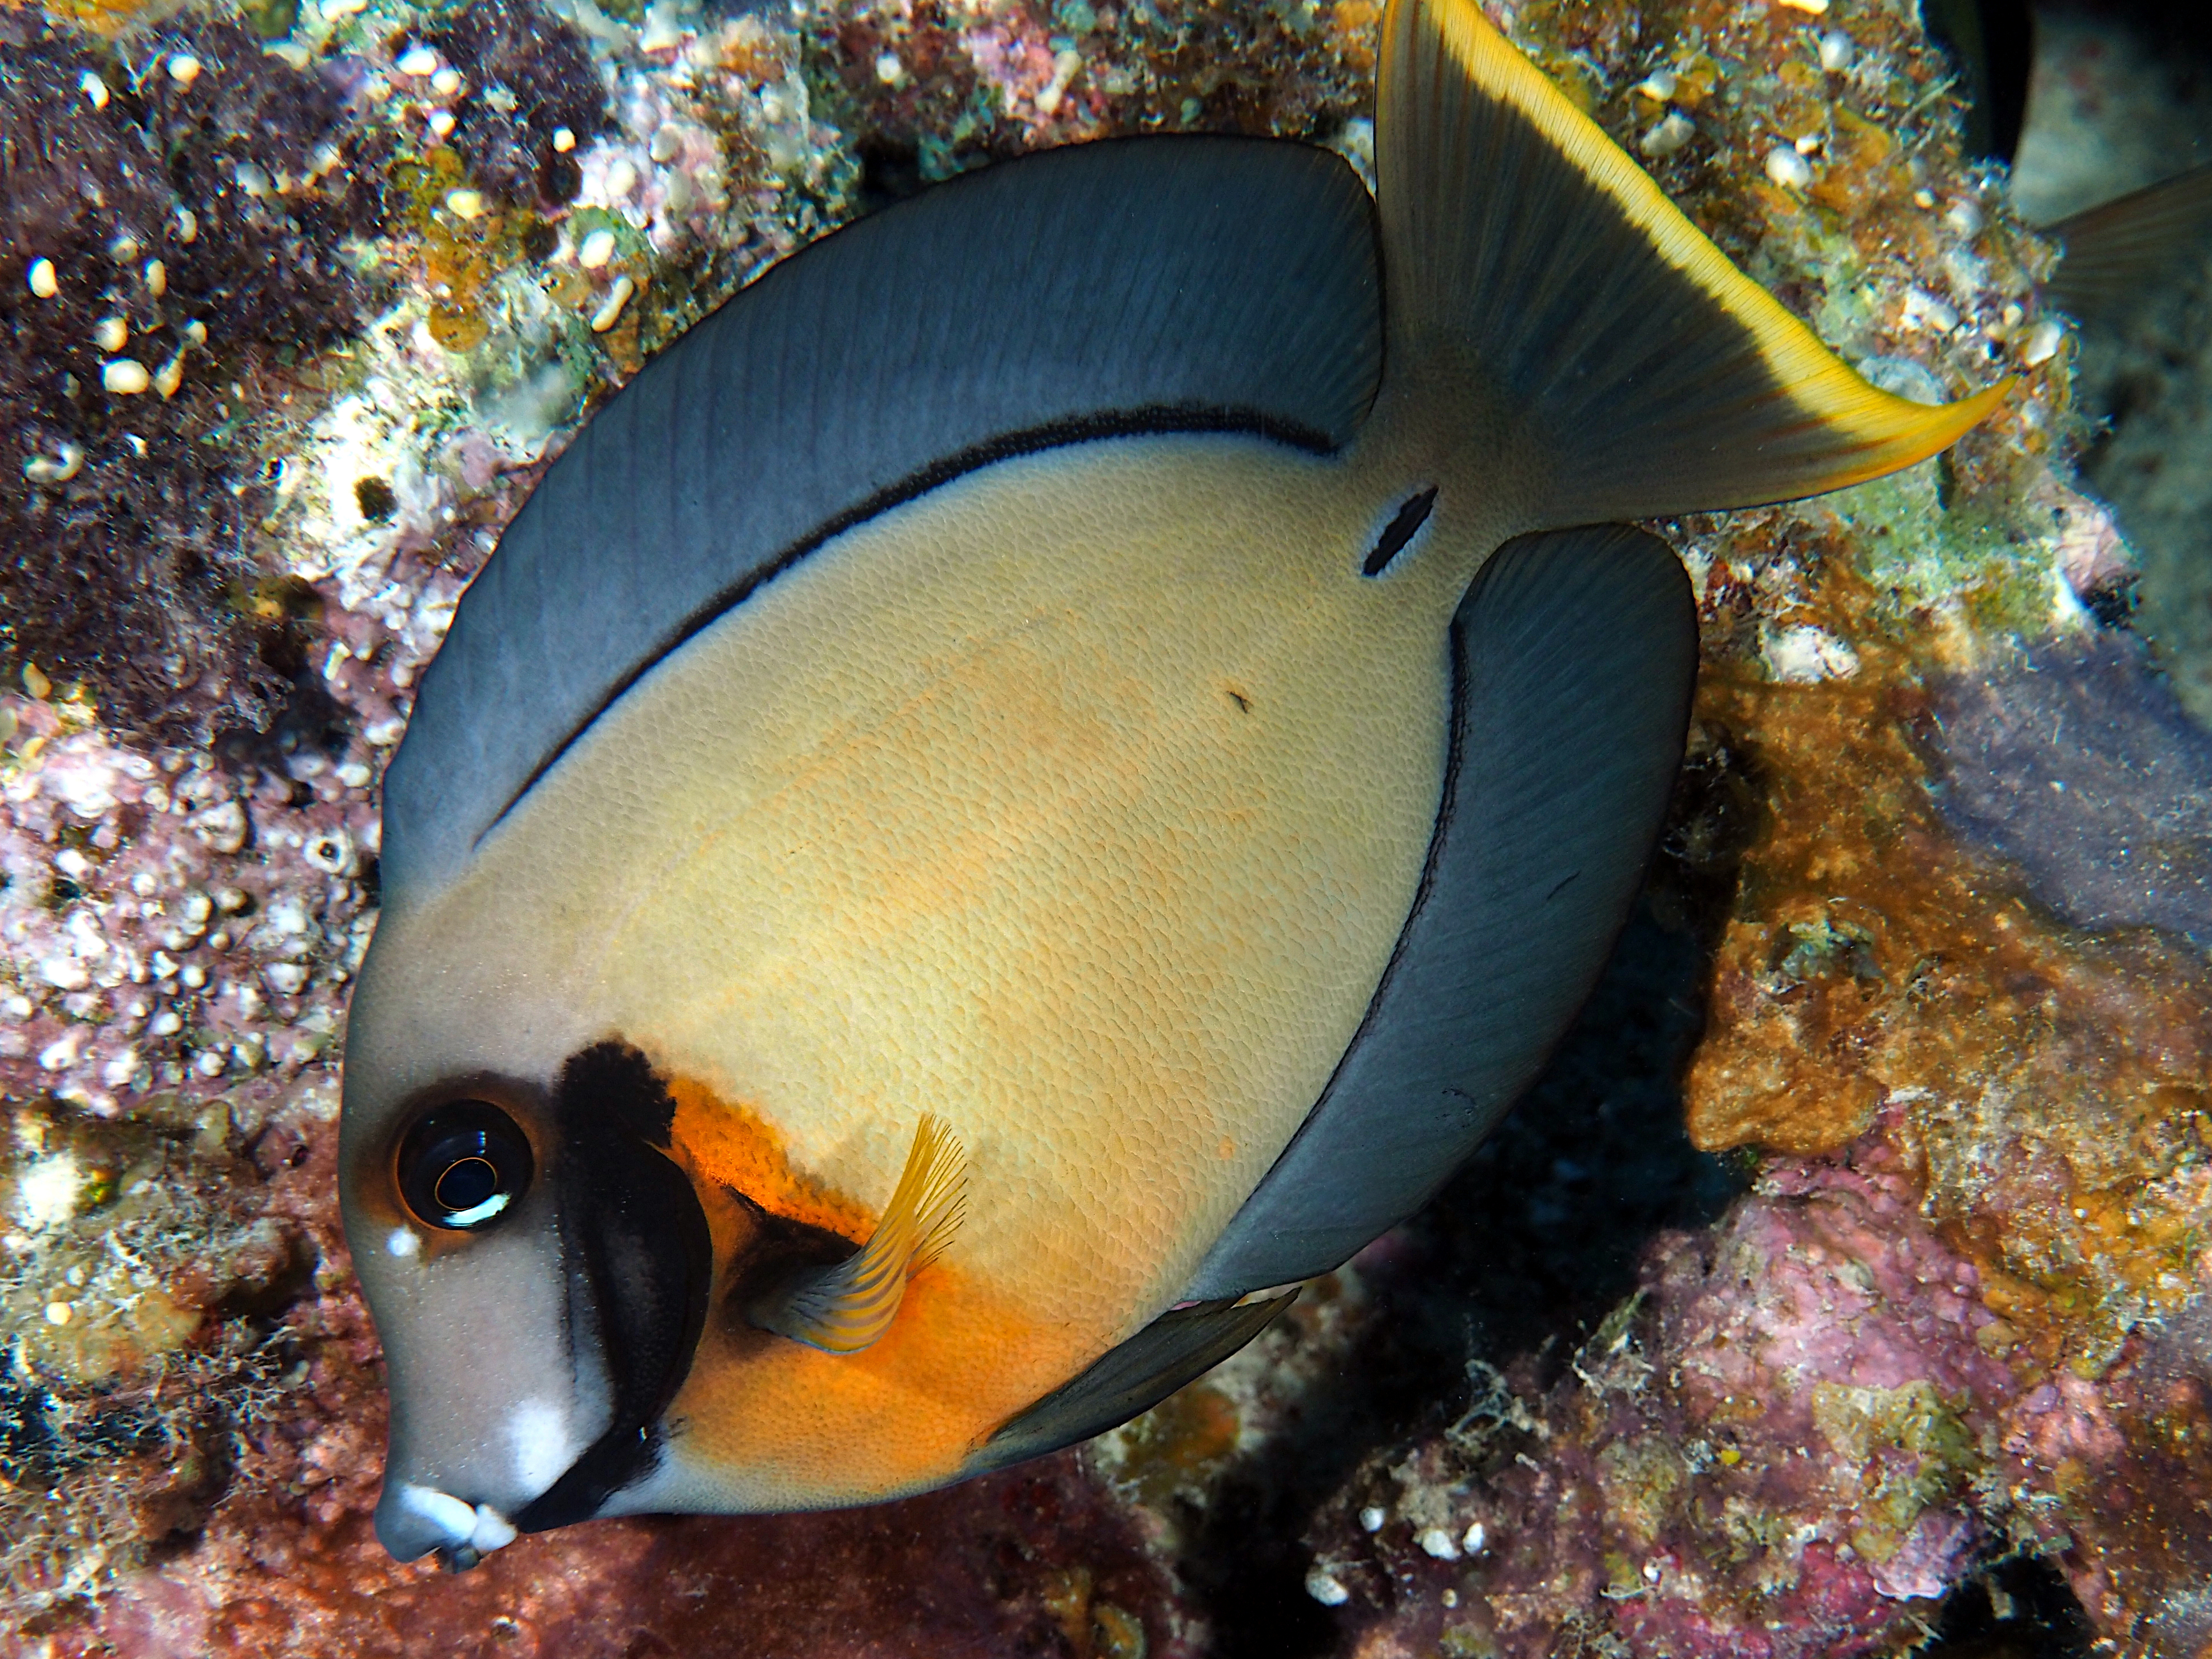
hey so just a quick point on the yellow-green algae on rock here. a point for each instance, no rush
(1968, 1276)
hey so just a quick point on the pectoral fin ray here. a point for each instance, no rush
(845, 1308)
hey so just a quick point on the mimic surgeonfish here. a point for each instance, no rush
(1043, 775)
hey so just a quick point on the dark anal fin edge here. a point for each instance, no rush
(1177, 1348)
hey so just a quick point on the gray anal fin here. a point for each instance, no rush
(1574, 653)
(1175, 1349)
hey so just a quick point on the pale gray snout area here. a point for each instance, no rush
(497, 1381)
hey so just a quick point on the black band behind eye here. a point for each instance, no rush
(463, 1167)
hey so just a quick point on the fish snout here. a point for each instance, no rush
(411, 1521)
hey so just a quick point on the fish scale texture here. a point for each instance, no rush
(995, 841)
(1233, 283)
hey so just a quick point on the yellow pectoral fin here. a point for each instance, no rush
(1644, 371)
(844, 1309)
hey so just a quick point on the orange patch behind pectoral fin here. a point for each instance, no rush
(872, 1378)
(770, 1422)
(732, 1146)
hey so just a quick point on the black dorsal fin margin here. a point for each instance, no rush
(1131, 285)
(1060, 435)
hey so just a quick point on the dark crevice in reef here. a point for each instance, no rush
(2021, 1607)
(1527, 1250)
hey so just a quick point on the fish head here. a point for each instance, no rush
(537, 1265)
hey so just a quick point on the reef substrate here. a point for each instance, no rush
(1843, 1287)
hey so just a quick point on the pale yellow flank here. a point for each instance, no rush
(1080, 802)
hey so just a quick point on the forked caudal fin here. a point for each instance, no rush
(842, 1308)
(1540, 277)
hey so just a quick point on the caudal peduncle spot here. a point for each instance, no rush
(1401, 529)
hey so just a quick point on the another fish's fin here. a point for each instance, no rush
(2117, 252)
(1993, 43)
(1173, 1349)
(844, 1309)
(1189, 283)
(1586, 332)
(1572, 656)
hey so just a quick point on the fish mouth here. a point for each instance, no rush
(412, 1521)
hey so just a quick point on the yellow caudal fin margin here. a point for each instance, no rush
(844, 1309)
(1593, 335)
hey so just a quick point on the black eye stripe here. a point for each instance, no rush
(462, 1165)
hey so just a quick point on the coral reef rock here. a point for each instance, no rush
(1843, 1287)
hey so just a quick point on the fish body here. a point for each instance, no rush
(1071, 872)
(1091, 829)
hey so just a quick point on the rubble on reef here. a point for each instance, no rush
(1842, 1288)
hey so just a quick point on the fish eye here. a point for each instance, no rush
(463, 1166)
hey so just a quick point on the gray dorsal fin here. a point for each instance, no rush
(1176, 1348)
(1573, 658)
(1139, 284)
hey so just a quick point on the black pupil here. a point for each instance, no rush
(463, 1166)
(466, 1184)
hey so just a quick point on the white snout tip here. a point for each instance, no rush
(454, 1519)
(476, 1527)
(492, 1531)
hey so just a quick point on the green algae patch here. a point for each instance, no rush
(1981, 568)
(1641, 1478)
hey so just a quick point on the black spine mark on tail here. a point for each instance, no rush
(1400, 531)
(637, 1248)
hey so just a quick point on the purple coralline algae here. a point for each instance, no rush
(1795, 1436)
(2079, 762)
